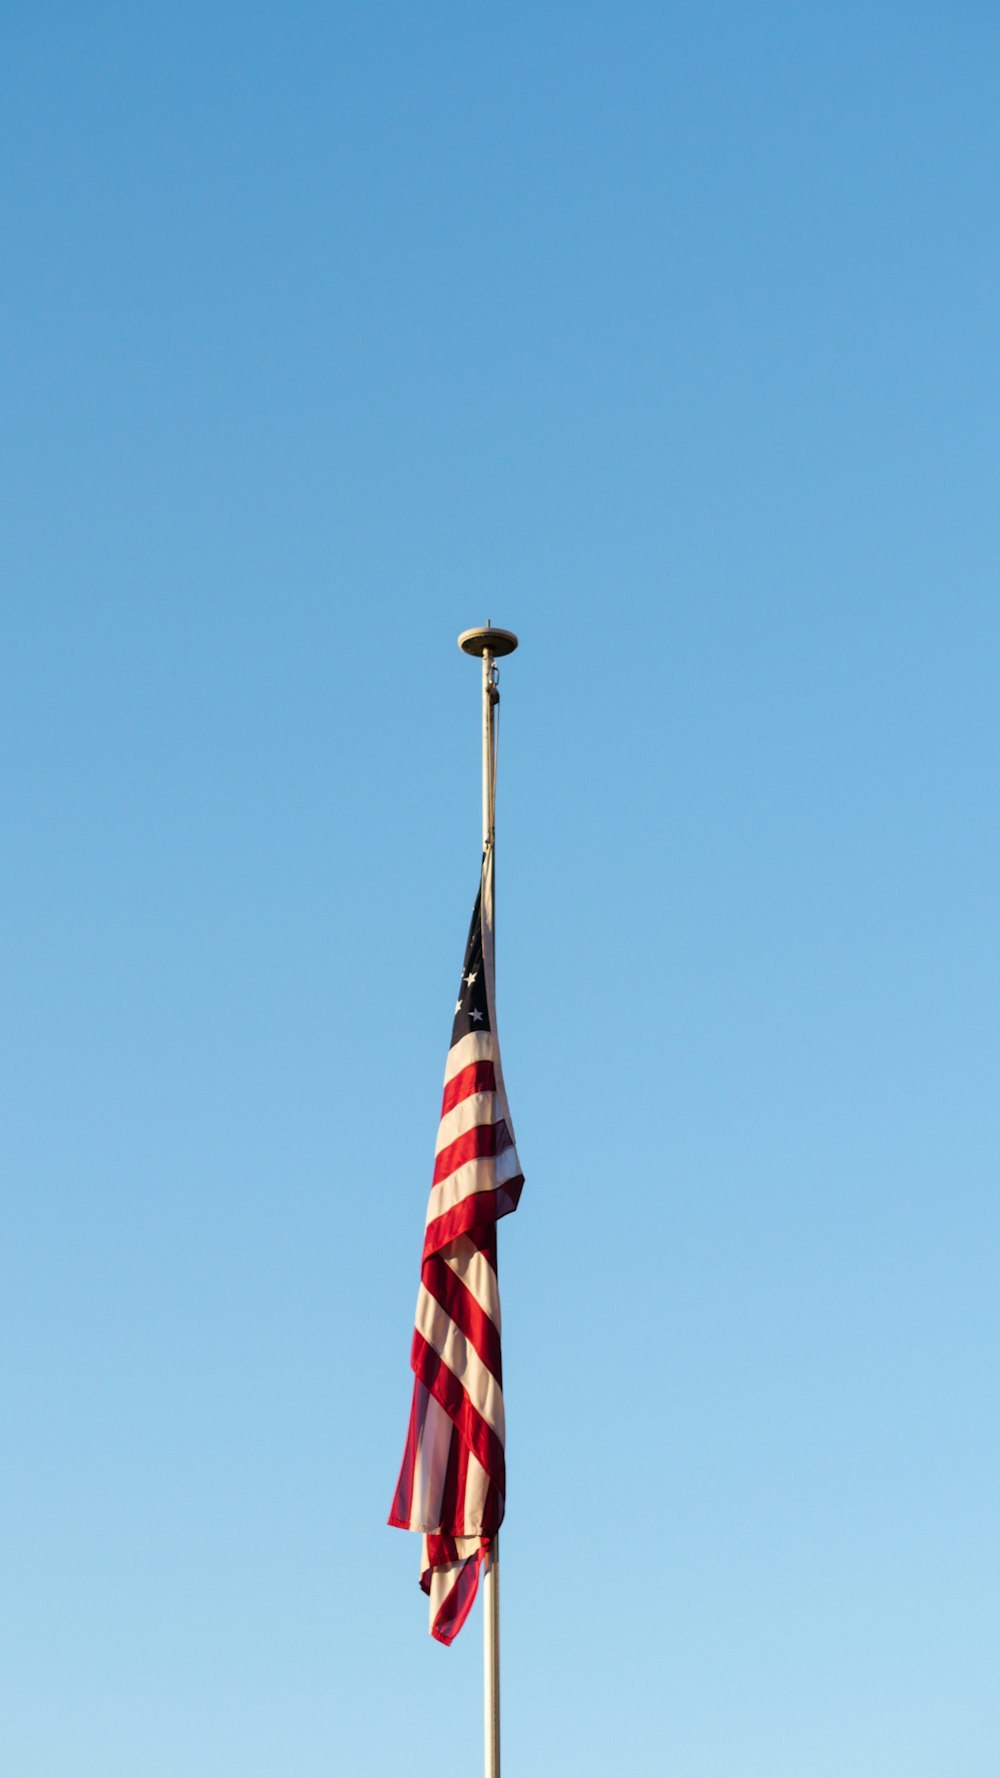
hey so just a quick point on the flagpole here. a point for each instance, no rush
(489, 643)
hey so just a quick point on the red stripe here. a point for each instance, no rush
(472, 1215)
(441, 1552)
(461, 1305)
(470, 1146)
(457, 1604)
(492, 1507)
(454, 1488)
(478, 1077)
(402, 1505)
(446, 1389)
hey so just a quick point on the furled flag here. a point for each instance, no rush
(452, 1484)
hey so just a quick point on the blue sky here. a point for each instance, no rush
(668, 338)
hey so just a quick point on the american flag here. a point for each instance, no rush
(452, 1482)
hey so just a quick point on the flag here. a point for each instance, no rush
(452, 1481)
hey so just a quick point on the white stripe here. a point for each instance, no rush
(478, 1108)
(477, 1046)
(462, 1359)
(476, 1484)
(480, 1175)
(442, 1581)
(430, 1463)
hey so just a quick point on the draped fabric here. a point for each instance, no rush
(452, 1481)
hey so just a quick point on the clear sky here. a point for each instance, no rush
(668, 337)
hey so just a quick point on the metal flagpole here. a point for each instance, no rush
(490, 643)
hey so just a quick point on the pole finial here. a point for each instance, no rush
(488, 641)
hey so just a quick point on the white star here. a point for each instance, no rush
(475, 1013)
(458, 1006)
(471, 978)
